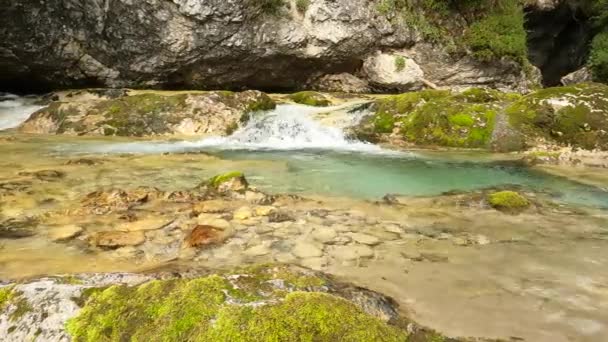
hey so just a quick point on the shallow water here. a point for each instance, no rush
(540, 275)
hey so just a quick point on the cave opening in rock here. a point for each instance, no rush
(558, 40)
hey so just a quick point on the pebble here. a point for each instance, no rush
(304, 250)
(324, 234)
(64, 233)
(365, 239)
(351, 252)
(242, 213)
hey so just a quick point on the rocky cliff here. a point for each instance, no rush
(359, 45)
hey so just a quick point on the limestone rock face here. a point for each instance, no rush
(215, 44)
(579, 76)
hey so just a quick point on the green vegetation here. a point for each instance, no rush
(272, 7)
(310, 98)
(302, 5)
(218, 180)
(263, 102)
(499, 34)
(575, 115)
(213, 309)
(434, 117)
(140, 115)
(6, 293)
(399, 63)
(509, 201)
(489, 29)
(598, 59)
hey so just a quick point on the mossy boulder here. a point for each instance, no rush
(310, 98)
(253, 303)
(148, 114)
(575, 115)
(435, 117)
(508, 201)
(227, 182)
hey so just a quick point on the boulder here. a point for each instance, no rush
(148, 114)
(392, 72)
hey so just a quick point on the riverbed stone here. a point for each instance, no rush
(257, 250)
(324, 234)
(216, 222)
(144, 224)
(304, 249)
(264, 210)
(64, 233)
(242, 213)
(365, 239)
(351, 252)
(115, 239)
(212, 206)
(316, 264)
(204, 235)
(279, 216)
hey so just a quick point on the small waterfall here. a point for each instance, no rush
(14, 110)
(288, 127)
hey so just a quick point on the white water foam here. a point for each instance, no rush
(14, 110)
(288, 127)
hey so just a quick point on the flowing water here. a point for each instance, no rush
(540, 275)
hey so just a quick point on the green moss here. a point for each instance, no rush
(301, 316)
(399, 63)
(6, 293)
(310, 98)
(218, 180)
(302, 5)
(508, 201)
(22, 307)
(199, 310)
(264, 102)
(573, 115)
(140, 115)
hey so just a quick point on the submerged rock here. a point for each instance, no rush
(116, 239)
(508, 201)
(310, 98)
(148, 114)
(282, 303)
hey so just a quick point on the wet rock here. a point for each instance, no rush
(316, 264)
(310, 98)
(114, 239)
(84, 161)
(324, 234)
(202, 236)
(45, 175)
(210, 220)
(278, 216)
(305, 250)
(351, 252)
(64, 233)
(148, 114)
(257, 250)
(17, 228)
(105, 201)
(228, 182)
(264, 210)
(212, 206)
(242, 213)
(144, 224)
(365, 239)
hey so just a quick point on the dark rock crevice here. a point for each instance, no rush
(558, 40)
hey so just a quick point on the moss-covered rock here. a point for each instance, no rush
(259, 304)
(149, 114)
(230, 181)
(574, 115)
(310, 98)
(508, 201)
(441, 118)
